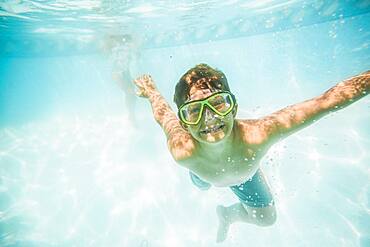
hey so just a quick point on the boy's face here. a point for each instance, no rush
(212, 127)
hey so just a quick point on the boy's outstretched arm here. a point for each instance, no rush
(180, 142)
(292, 118)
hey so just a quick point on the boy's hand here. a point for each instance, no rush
(145, 85)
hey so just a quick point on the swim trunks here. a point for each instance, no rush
(254, 192)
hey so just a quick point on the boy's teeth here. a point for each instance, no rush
(208, 130)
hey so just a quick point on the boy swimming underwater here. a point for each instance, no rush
(223, 151)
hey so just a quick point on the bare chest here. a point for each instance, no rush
(228, 169)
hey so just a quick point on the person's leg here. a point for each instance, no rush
(199, 182)
(256, 206)
(239, 212)
(130, 102)
(124, 80)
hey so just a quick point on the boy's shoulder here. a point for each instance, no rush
(252, 131)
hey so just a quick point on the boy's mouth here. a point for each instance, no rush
(212, 129)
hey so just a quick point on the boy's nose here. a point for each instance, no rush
(209, 115)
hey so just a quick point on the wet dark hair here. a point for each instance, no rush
(201, 76)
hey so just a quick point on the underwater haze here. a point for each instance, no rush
(83, 162)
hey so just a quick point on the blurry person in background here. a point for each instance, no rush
(124, 51)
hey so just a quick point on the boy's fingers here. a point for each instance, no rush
(141, 81)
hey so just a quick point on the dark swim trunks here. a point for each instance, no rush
(254, 192)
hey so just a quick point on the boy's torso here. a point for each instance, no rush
(231, 167)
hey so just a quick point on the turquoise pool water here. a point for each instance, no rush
(76, 170)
